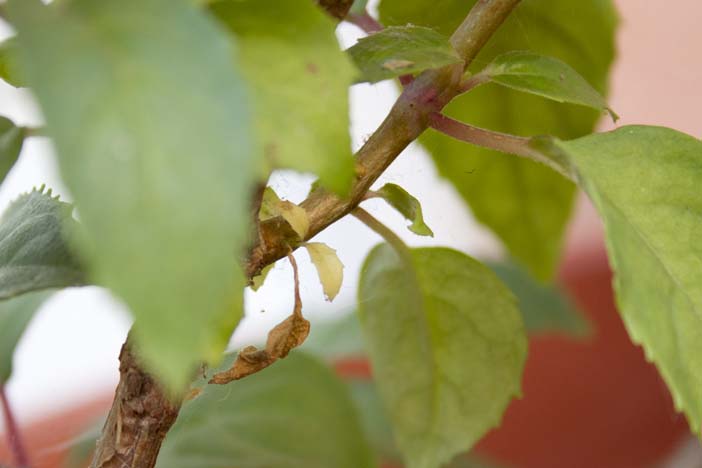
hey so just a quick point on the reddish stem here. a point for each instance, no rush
(13, 434)
(365, 21)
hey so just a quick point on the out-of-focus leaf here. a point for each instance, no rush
(34, 254)
(9, 67)
(15, 315)
(11, 141)
(294, 414)
(545, 308)
(151, 126)
(300, 78)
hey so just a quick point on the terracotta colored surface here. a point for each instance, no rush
(47, 440)
(588, 404)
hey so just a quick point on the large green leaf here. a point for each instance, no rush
(150, 122)
(524, 203)
(645, 182)
(15, 315)
(34, 253)
(300, 79)
(447, 346)
(295, 414)
(11, 141)
(401, 50)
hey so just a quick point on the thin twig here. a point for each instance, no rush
(34, 132)
(385, 232)
(14, 438)
(505, 143)
(297, 310)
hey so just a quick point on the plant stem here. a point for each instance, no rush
(489, 139)
(473, 82)
(365, 21)
(34, 132)
(479, 26)
(384, 232)
(14, 437)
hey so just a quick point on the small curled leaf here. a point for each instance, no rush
(408, 206)
(259, 279)
(295, 216)
(329, 268)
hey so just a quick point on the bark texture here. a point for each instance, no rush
(140, 417)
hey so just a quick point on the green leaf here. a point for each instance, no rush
(9, 68)
(291, 415)
(645, 182)
(149, 118)
(300, 79)
(15, 315)
(329, 268)
(401, 50)
(447, 346)
(34, 254)
(11, 141)
(545, 308)
(374, 419)
(408, 206)
(526, 204)
(544, 76)
(379, 432)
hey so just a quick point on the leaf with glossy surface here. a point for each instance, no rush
(9, 69)
(157, 155)
(527, 205)
(294, 414)
(408, 206)
(299, 78)
(329, 268)
(645, 182)
(544, 76)
(11, 142)
(546, 308)
(34, 253)
(15, 315)
(401, 50)
(447, 346)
